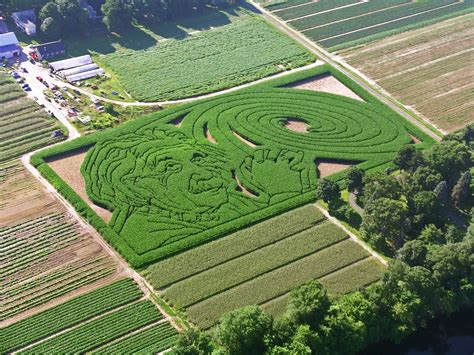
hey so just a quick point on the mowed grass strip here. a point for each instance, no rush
(150, 341)
(351, 278)
(249, 266)
(100, 331)
(68, 314)
(273, 284)
(214, 253)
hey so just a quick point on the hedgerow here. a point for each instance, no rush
(277, 282)
(68, 314)
(171, 188)
(251, 265)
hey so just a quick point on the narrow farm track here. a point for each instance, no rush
(343, 67)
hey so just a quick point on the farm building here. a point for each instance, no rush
(70, 63)
(25, 21)
(9, 47)
(48, 50)
(76, 69)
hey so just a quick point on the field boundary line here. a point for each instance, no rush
(299, 5)
(128, 335)
(42, 340)
(164, 288)
(352, 235)
(357, 16)
(326, 11)
(391, 21)
(269, 271)
(426, 64)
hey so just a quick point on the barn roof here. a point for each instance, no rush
(8, 39)
(48, 48)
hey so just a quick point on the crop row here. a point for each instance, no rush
(351, 278)
(58, 290)
(239, 52)
(279, 5)
(7, 232)
(149, 341)
(194, 261)
(398, 17)
(315, 7)
(100, 331)
(68, 314)
(278, 282)
(252, 265)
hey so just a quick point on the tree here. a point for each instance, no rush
(193, 342)
(461, 191)
(75, 20)
(424, 178)
(118, 15)
(413, 252)
(327, 190)
(423, 207)
(308, 304)
(243, 331)
(380, 185)
(408, 158)
(355, 179)
(49, 10)
(385, 221)
(50, 28)
(449, 158)
(432, 235)
(441, 192)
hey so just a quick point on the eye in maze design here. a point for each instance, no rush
(174, 187)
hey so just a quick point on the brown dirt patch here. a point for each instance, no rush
(415, 139)
(68, 167)
(246, 141)
(328, 167)
(325, 83)
(241, 187)
(21, 196)
(208, 135)
(296, 125)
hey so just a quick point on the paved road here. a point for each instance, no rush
(354, 205)
(331, 59)
(37, 93)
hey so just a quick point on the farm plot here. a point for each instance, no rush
(343, 23)
(24, 126)
(438, 57)
(242, 51)
(269, 269)
(170, 187)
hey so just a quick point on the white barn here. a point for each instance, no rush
(9, 46)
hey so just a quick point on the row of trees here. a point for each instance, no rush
(430, 274)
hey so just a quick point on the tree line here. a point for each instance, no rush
(408, 216)
(63, 18)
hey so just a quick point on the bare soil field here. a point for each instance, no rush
(68, 167)
(326, 168)
(430, 69)
(325, 83)
(48, 256)
(297, 126)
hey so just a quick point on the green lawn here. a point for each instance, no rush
(215, 51)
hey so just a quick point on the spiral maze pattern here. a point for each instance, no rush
(175, 167)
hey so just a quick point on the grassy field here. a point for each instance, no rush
(215, 51)
(263, 263)
(430, 69)
(24, 126)
(339, 24)
(216, 166)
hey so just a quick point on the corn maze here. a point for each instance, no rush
(191, 174)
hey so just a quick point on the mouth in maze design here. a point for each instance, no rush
(199, 185)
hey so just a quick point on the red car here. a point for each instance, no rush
(39, 78)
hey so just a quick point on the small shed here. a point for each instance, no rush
(9, 46)
(48, 50)
(25, 21)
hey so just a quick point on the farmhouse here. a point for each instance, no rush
(48, 50)
(25, 21)
(9, 47)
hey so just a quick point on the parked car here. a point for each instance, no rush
(20, 80)
(45, 84)
(27, 88)
(39, 78)
(24, 85)
(24, 70)
(77, 92)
